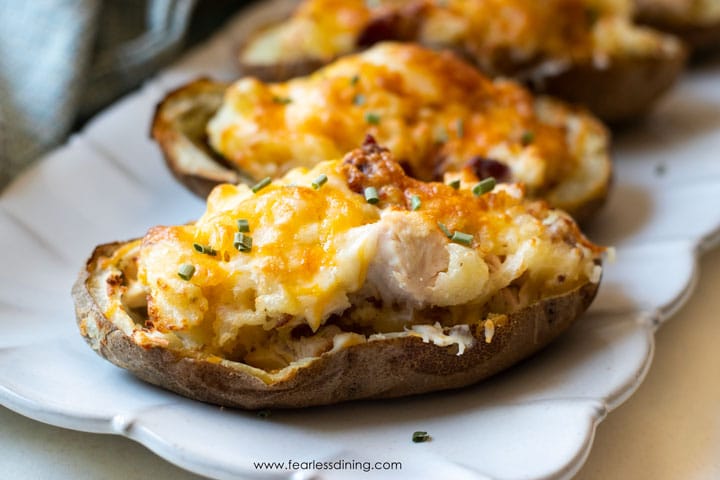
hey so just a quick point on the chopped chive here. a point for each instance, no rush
(264, 413)
(484, 186)
(186, 271)
(460, 127)
(207, 250)
(420, 437)
(372, 118)
(444, 229)
(359, 99)
(242, 242)
(243, 225)
(261, 184)
(441, 135)
(354, 79)
(527, 138)
(319, 181)
(415, 202)
(455, 184)
(371, 195)
(282, 100)
(462, 238)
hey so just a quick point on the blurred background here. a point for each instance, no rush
(61, 61)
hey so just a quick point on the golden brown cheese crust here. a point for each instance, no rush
(436, 113)
(506, 35)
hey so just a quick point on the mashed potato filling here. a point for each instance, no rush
(347, 252)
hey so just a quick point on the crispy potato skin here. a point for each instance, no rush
(701, 35)
(700, 38)
(620, 93)
(378, 369)
(178, 126)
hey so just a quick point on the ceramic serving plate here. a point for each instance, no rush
(534, 421)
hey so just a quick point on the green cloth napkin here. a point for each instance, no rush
(61, 60)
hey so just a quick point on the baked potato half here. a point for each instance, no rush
(347, 281)
(436, 113)
(697, 22)
(585, 51)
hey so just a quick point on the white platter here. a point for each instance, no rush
(535, 421)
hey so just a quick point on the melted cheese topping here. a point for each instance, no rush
(319, 257)
(433, 111)
(501, 35)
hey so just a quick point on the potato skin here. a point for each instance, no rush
(623, 92)
(379, 369)
(700, 36)
(178, 126)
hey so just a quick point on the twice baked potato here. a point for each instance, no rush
(347, 281)
(585, 51)
(436, 113)
(695, 21)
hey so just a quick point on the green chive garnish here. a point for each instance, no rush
(372, 118)
(243, 225)
(354, 79)
(444, 229)
(527, 138)
(455, 184)
(460, 127)
(207, 250)
(462, 238)
(441, 135)
(371, 195)
(359, 99)
(484, 186)
(261, 184)
(242, 242)
(420, 437)
(264, 413)
(186, 271)
(415, 202)
(319, 181)
(282, 100)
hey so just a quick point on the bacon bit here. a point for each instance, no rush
(486, 168)
(115, 279)
(398, 24)
(370, 145)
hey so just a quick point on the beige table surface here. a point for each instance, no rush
(669, 429)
